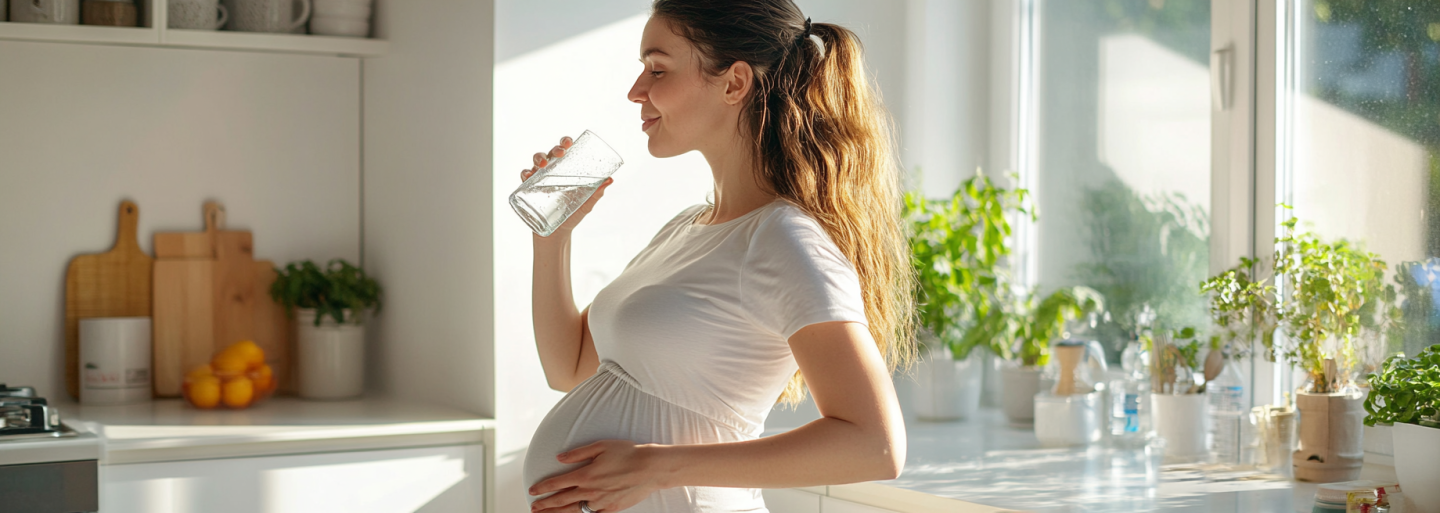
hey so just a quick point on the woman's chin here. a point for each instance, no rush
(660, 150)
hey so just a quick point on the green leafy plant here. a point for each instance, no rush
(331, 291)
(1177, 351)
(959, 246)
(1044, 323)
(1334, 293)
(1145, 250)
(1406, 390)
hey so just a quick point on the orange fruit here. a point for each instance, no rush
(200, 371)
(237, 392)
(204, 392)
(229, 364)
(264, 379)
(248, 351)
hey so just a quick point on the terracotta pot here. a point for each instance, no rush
(1331, 437)
(1417, 465)
(946, 388)
(1019, 386)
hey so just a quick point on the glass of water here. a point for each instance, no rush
(551, 195)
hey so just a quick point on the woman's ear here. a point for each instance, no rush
(738, 81)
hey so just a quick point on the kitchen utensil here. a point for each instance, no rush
(276, 16)
(197, 14)
(332, 26)
(61, 12)
(112, 284)
(109, 13)
(1069, 358)
(555, 192)
(212, 293)
(114, 360)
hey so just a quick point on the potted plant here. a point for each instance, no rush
(1178, 403)
(1334, 301)
(1405, 394)
(1037, 327)
(964, 292)
(329, 307)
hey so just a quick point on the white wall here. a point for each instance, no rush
(274, 137)
(427, 202)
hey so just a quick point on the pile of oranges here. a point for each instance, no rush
(236, 377)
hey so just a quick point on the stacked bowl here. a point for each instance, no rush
(349, 18)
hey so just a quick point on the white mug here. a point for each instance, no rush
(196, 14)
(64, 12)
(114, 360)
(276, 16)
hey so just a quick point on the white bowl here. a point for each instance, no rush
(325, 26)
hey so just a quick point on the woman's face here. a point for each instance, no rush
(681, 107)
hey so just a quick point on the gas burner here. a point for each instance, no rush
(22, 415)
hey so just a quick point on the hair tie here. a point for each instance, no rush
(806, 33)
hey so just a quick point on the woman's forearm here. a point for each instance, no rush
(825, 451)
(558, 327)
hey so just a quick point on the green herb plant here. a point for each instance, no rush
(1406, 390)
(1242, 307)
(1043, 323)
(331, 291)
(965, 293)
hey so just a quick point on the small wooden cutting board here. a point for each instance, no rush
(111, 284)
(210, 293)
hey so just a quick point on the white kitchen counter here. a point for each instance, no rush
(169, 430)
(982, 464)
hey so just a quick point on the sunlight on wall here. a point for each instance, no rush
(1154, 118)
(563, 89)
(1358, 180)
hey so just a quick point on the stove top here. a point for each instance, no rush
(23, 415)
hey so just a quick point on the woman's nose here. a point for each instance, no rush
(640, 92)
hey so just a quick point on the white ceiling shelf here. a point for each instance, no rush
(206, 39)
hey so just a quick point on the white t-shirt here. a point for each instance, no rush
(702, 316)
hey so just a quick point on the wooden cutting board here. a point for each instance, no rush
(111, 284)
(210, 293)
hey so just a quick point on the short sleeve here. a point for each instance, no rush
(794, 275)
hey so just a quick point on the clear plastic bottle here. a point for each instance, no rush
(1130, 394)
(1228, 415)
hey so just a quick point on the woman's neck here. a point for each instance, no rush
(737, 192)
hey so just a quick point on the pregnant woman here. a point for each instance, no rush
(796, 278)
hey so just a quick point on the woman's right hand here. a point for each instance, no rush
(542, 160)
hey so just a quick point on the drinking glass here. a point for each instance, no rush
(551, 195)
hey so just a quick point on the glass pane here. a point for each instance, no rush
(1359, 161)
(1123, 156)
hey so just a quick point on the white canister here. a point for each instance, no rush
(1183, 421)
(330, 357)
(1068, 420)
(114, 360)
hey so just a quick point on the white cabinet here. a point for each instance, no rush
(426, 479)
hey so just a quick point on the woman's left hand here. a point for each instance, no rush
(620, 475)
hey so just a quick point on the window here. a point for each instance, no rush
(1122, 156)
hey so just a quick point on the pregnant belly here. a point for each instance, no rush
(611, 406)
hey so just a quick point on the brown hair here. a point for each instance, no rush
(822, 140)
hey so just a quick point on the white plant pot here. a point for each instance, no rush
(1183, 421)
(1417, 465)
(1068, 420)
(1020, 384)
(330, 357)
(1331, 437)
(946, 388)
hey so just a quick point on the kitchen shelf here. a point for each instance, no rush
(255, 41)
(158, 36)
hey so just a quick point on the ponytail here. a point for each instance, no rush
(822, 140)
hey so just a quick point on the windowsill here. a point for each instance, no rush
(982, 464)
(169, 430)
